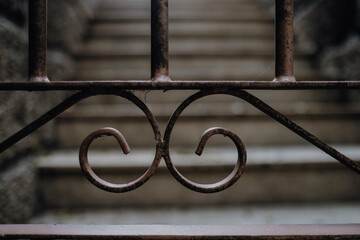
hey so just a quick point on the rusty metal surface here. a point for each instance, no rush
(215, 187)
(265, 109)
(160, 80)
(284, 57)
(118, 188)
(43, 120)
(163, 144)
(175, 85)
(37, 40)
(268, 232)
(204, 188)
(159, 40)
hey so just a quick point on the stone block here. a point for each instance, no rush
(343, 61)
(67, 24)
(324, 23)
(15, 10)
(18, 108)
(13, 52)
(61, 65)
(18, 193)
(67, 21)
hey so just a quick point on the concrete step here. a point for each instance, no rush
(273, 175)
(183, 29)
(210, 109)
(211, 72)
(185, 46)
(241, 118)
(111, 4)
(319, 213)
(178, 62)
(184, 14)
(275, 98)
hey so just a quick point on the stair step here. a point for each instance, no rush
(186, 133)
(74, 125)
(180, 29)
(185, 46)
(175, 4)
(210, 109)
(272, 175)
(319, 213)
(277, 99)
(138, 62)
(233, 14)
(211, 72)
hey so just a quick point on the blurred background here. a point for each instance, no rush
(286, 179)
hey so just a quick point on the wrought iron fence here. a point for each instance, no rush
(160, 80)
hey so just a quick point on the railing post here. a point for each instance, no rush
(37, 40)
(284, 58)
(159, 41)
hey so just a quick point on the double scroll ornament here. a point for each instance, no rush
(162, 143)
(163, 149)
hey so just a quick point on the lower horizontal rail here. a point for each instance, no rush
(348, 231)
(174, 85)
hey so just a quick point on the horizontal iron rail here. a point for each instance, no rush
(175, 85)
(349, 231)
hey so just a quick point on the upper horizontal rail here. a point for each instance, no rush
(175, 85)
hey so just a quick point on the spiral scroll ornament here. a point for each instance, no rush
(163, 145)
(120, 188)
(204, 188)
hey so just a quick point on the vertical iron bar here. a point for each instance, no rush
(284, 66)
(37, 40)
(159, 40)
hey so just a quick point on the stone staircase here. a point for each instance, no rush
(231, 40)
(209, 40)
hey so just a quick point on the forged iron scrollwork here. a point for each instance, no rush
(277, 116)
(204, 188)
(226, 182)
(163, 150)
(162, 145)
(119, 188)
(101, 183)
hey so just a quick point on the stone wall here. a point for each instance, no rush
(67, 20)
(331, 29)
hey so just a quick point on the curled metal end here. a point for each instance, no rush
(226, 182)
(39, 79)
(207, 135)
(285, 79)
(110, 132)
(87, 170)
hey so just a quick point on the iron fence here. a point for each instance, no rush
(160, 80)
